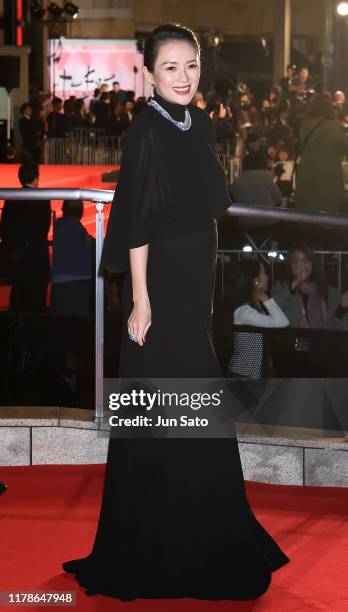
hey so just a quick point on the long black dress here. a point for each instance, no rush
(174, 520)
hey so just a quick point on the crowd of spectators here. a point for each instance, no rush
(293, 124)
(275, 118)
(271, 127)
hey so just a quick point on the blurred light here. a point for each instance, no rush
(247, 248)
(36, 10)
(72, 10)
(272, 254)
(281, 257)
(54, 10)
(19, 28)
(342, 9)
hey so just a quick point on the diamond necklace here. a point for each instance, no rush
(182, 125)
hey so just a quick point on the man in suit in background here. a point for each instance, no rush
(23, 230)
(117, 95)
(26, 126)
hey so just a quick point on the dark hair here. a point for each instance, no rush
(28, 172)
(321, 106)
(24, 107)
(56, 101)
(78, 105)
(318, 274)
(162, 34)
(69, 106)
(96, 92)
(255, 161)
(252, 137)
(116, 83)
(105, 96)
(72, 208)
(284, 107)
(239, 285)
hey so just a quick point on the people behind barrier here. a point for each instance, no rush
(304, 294)
(322, 146)
(24, 231)
(72, 264)
(249, 304)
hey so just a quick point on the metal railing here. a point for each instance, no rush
(231, 165)
(94, 151)
(99, 197)
(102, 197)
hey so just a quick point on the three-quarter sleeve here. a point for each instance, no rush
(130, 220)
(246, 315)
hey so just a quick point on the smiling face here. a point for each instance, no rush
(176, 72)
(300, 263)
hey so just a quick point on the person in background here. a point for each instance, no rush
(117, 95)
(139, 105)
(247, 295)
(102, 111)
(94, 101)
(27, 130)
(282, 131)
(118, 121)
(72, 264)
(129, 109)
(254, 145)
(286, 82)
(304, 295)
(69, 110)
(340, 107)
(223, 125)
(302, 83)
(55, 120)
(80, 118)
(198, 100)
(319, 177)
(255, 186)
(23, 230)
(40, 131)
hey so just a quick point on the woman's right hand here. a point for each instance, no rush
(139, 321)
(300, 277)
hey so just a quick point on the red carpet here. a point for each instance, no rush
(49, 515)
(60, 177)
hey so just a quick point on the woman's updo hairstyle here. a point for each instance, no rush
(165, 33)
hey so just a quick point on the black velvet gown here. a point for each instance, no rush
(174, 520)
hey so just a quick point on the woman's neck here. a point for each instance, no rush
(177, 111)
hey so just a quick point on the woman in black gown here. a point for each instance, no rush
(174, 520)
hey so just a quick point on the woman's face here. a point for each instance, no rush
(265, 105)
(176, 72)
(272, 152)
(261, 281)
(283, 155)
(300, 264)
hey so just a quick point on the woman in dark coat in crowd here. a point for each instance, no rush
(319, 177)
